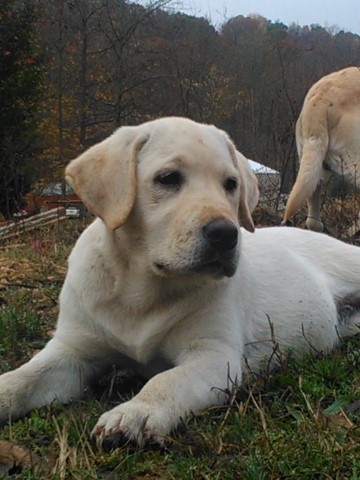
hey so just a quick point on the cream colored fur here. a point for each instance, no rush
(327, 135)
(144, 290)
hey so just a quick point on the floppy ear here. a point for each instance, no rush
(250, 180)
(249, 190)
(104, 176)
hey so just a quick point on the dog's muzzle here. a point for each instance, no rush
(220, 254)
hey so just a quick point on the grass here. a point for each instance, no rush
(300, 422)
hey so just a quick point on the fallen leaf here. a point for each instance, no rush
(335, 421)
(12, 456)
(15, 458)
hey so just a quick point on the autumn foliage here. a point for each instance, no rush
(108, 63)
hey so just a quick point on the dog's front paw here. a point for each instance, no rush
(135, 421)
(12, 397)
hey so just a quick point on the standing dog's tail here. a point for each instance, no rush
(312, 142)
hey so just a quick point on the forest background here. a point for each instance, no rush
(73, 71)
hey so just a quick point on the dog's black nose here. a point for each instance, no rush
(221, 234)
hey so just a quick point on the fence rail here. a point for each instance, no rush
(18, 227)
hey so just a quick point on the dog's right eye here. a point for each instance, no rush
(172, 179)
(231, 185)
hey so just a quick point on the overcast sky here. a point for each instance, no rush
(343, 13)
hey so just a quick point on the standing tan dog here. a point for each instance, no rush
(327, 139)
(166, 281)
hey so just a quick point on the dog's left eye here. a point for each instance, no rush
(230, 185)
(172, 179)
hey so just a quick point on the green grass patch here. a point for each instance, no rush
(19, 331)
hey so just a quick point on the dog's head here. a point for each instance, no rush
(179, 187)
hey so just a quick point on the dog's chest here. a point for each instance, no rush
(139, 335)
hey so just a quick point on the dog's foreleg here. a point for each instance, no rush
(199, 382)
(55, 373)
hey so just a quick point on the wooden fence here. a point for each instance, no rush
(18, 227)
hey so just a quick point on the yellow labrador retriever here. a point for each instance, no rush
(328, 140)
(166, 280)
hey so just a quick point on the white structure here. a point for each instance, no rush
(269, 181)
